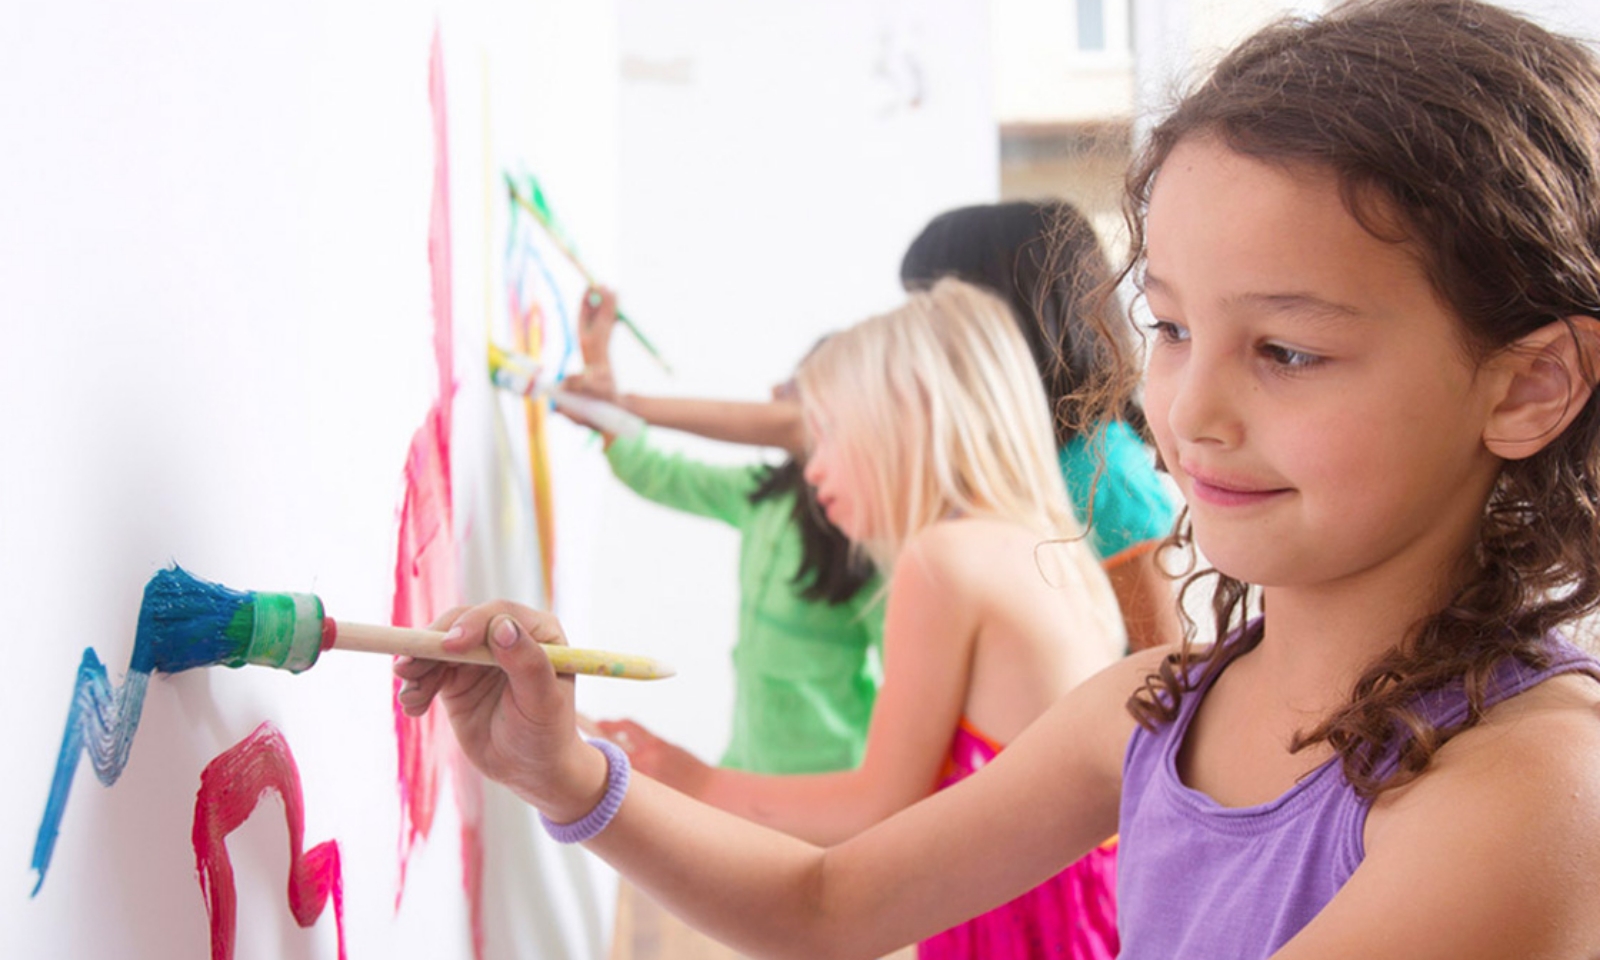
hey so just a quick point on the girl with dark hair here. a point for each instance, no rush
(1045, 262)
(807, 662)
(1370, 243)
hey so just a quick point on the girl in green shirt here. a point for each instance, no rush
(807, 659)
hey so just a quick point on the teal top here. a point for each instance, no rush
(1131, 505)
(806, 672)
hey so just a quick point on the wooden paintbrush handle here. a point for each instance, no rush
(428, 645)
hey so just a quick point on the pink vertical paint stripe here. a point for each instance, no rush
(425, 565)
(439, 233)
(424, 586)
(230, 788)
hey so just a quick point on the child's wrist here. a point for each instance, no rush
(600, 776)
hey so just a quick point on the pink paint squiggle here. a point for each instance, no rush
(425, 569)
(230, 788)
(425, 565)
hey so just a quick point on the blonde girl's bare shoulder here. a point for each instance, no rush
(975, 548)
(941, 554)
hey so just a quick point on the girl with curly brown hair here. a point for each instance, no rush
(1370, 245)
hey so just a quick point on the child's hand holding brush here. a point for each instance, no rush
(515, 720)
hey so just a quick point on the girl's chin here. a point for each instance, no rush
(1248, 565)
(843, 524)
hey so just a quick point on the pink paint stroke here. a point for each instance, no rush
(424, 586)
(425, 564)
(231, 786)
(439, 264)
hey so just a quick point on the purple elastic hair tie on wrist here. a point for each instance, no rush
(596, 820)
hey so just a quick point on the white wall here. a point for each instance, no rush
(214, 291)
(1042, 74)
(1174, 38)
(776, 160)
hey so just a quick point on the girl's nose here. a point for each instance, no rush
(1205, 403)
(813, 471)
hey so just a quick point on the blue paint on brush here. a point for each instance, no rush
(184, 622)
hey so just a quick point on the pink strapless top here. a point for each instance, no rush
(1071, 916)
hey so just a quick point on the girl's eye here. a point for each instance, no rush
(1288, 357)
(1167, 332)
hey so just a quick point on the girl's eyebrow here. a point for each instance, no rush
(1299, 306)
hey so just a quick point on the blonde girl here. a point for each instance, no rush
(931, 448)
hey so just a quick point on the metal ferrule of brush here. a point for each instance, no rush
(287, 632)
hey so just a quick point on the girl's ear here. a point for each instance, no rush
(1549, 375)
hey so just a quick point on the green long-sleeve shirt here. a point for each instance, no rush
(806, 672)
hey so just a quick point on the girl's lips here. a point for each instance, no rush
(1226, 493)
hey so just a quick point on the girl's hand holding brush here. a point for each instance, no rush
(515, 721)
(597, 317)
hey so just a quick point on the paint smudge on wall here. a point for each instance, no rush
(528, 337)
(425, 565)
(530, 285)
(231, 786)
(101, 720)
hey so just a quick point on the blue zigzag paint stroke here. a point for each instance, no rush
(102, 720)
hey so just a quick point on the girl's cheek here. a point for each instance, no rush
(1157, 407)
(815, 467)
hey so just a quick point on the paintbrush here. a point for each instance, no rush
(540, 211)
(193, 622)
(524, 376)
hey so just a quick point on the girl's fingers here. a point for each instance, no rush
(422, 680)
(444, 620)
(626, 734)
(512, 633)
(596, 301)
(410, 668)
(515, 641)
(417, 694)
(627, 727)
(471, 628)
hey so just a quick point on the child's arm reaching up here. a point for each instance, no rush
(1044, 802)
(775, 423)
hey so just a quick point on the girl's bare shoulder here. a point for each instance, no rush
(975, 543)
(1524, 747)
(1551, 729)
(1494, 849)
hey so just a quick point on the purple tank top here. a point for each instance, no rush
(1200, 881)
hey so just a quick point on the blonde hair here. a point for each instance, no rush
(938, 408)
